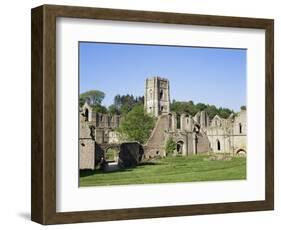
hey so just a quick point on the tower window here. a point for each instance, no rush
(150, 93)
(161, 94)
(161, 108)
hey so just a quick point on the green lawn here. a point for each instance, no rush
(168, 170)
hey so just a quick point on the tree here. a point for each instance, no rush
(243, 107)
(224, 112)
(117, 102)
(184, 107)
(125, 103)
(99, 109)
(201, 106)
(211, 111)
(170, 146)
(136, 125)
(113, 110)
(93, 97)
(190, 108)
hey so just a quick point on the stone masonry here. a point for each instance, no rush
(192, 134)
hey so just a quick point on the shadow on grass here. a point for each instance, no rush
(89, 172)
(148, 163)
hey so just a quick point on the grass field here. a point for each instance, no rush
(169, 170)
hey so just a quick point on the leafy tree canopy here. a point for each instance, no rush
(125, 103)
(93, 97)
(100, 109)
(191, 108)
(170, 146)
(136, 125)
(243, 107)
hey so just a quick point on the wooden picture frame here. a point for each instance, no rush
(43, 202)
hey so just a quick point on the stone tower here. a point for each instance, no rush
(157, 96)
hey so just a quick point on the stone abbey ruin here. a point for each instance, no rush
(192, 134)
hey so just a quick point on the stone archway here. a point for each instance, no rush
(111, 153)
(241, 152)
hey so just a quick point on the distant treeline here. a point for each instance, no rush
(190, 108)
(122, 104)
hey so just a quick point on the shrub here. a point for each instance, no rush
(170, 146)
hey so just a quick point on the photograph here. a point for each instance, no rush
(161, 114)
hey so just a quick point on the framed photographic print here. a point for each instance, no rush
(140, 114)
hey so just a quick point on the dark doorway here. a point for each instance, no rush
(179, 147)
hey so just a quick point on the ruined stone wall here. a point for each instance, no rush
(190, 146)
(220, 144)
(228, 135)
(183, 128)
(114, 137)
(99, 136)
(86, 145)
(203, 144)
(86, 154)
(101, 120)
(84, 131)
(155, 145)
(240, 123)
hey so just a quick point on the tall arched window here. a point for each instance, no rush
(240, 128)
(150, 94)
(86, 115)
(178, 121)
(161, 94)
(218, 145)
(170, 121)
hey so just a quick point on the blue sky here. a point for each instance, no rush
(214, 76)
